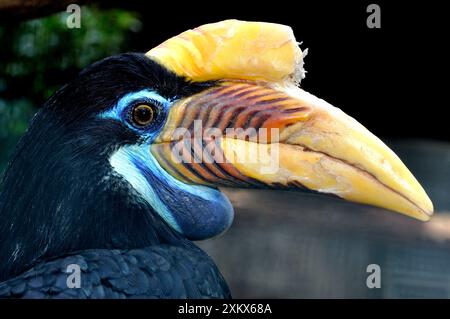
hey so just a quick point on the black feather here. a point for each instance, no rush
(115, 274)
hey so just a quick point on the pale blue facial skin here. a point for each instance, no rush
(195, 211)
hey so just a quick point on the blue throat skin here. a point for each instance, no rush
(195, 211)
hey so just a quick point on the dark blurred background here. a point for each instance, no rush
(282, 244)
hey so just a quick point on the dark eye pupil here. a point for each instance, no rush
(143, 114)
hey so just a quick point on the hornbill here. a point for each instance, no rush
(119, 170)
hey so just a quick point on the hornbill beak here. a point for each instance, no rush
(256, 127)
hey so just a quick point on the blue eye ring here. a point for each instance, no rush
(144, 113)
(123, 111)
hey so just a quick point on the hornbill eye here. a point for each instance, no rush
(143, 114)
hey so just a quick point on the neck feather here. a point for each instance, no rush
(60, 195)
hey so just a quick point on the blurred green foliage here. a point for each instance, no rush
(39, 56)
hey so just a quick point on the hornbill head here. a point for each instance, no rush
(140, 135)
